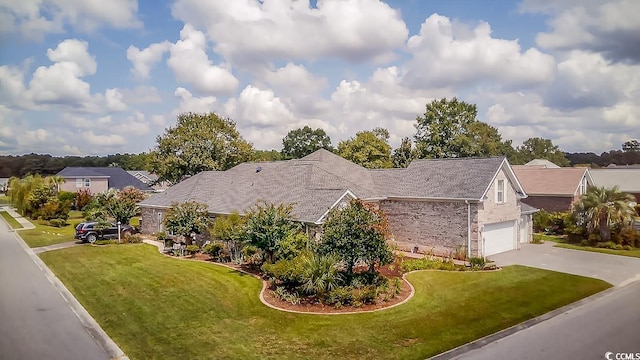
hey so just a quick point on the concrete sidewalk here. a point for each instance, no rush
(26, 224)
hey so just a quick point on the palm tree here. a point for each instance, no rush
(601, 207)
(54, 181)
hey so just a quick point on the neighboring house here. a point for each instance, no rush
(98, 179)
(543, 163)
(470, 205)
(627, 179)
(553, 188)
(150, 179)
(4, 185)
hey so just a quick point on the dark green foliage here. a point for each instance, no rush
(186, 218)
(58, 222)
(357, 233)
(198, 142)
(321, 274)
(287, 272)
(267, 225)
(67, 196)
(301, 142)
(539, 148)
(369, 149)
(214, 249)
(229, 229)
(404, 154)
(602, 209)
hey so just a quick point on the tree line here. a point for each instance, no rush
(448, 128)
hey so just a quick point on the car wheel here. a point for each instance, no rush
(91, 238)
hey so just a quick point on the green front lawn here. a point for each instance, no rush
(159, 307)
(4, 199)
(10, 220)
(561, 242)
(44, 235)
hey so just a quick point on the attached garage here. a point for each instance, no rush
(499, 237)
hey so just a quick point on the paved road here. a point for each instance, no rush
(614, 269)
(610, 323)
(36, 322)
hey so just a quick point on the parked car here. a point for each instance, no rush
(90, 231)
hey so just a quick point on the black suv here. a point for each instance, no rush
(88, 231)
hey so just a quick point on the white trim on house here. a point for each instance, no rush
(320, 221)
(513, 179)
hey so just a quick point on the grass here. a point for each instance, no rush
(561, 242)
(157, 307)
(44, 235)
(4, 199)
(10, 220)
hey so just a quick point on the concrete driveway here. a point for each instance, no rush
(614, 269)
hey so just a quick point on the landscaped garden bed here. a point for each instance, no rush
(158, 307)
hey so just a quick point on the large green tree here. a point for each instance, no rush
(439, 128)
(631, 146)
(481, 139)
(198, 142)
(368, 148)
(303, 141)
(357, 232)
(539, 148)
(600, 208)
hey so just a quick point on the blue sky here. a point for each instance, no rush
(78, 77)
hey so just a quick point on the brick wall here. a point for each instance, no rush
(431, 226)
(150, 222)
(549, 203)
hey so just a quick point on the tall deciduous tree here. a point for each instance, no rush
(355, 233)
(481, 139)
(303, 141)
(404, 154)
(439, 128)
(539, 148)
(600, 208)
(368, 148)
(198, 142)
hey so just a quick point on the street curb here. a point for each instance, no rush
(460, 350)
(88, 322)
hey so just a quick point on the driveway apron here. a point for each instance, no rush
(36, 321)
(614, 269)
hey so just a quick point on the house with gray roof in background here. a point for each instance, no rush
(626, 178)
(469, 205)
(98, 179)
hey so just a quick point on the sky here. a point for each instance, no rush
(94, 77)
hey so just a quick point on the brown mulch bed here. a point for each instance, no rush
(390, 271)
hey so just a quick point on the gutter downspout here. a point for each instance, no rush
(468, 228)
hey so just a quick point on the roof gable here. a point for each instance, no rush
(551, 181)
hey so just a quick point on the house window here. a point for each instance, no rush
(500, 195)
(583, 186)
(78, 183)
(87, 182)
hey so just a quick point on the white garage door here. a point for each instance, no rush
(498, 237)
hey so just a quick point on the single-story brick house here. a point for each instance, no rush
(553, 188)
(98, 179)
(448, 205)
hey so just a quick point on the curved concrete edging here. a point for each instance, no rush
(265, 284)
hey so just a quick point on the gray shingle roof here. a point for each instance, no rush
(117, 177)
(316, 182)
(461, 178)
